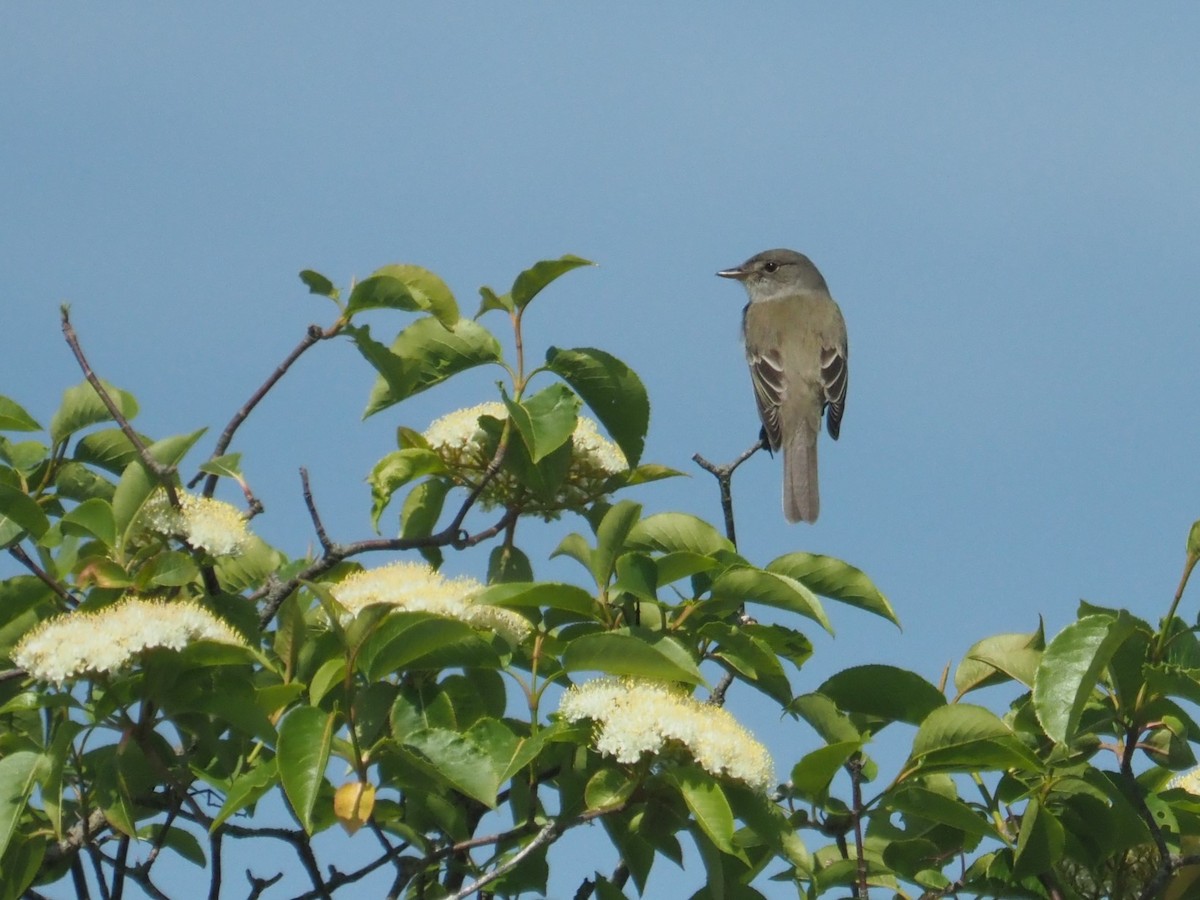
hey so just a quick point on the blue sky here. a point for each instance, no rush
(1004, 199)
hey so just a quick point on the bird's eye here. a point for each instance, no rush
(770, 266)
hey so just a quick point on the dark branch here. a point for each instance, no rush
(724, 476)
(24, 559)
(314, 334)
(160, 471)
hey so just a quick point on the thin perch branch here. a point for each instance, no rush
(724, 476)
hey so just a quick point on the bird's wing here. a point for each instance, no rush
(834, 377)
(766, 374)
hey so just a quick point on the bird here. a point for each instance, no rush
(795, 338)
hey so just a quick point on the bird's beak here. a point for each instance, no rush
(737, 273)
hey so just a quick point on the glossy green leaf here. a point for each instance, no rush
(227, 466)
(836, 580)
(407, 639)
(171, 568)
(82, 406)
(546, 420)
(886, 692)
(708, 804)
(1070, 668)
(107, 448)
(611, 536)
(749, 657)
(924, 803)
(508, 564)
(305, 735)
(964, 737)
(746, 584)
(534, 279)
(394, 471)
(1040, 842)
(460, 759)
(20, 513)
(18, 778)
(998, 658)
(833, 725)
(424, 354)
(489, 300)
(648, 656)
(811, 776)
(14, 418)
(541, 595)
(671, 532)
(405, 287)
(611, 390)
(318, 283)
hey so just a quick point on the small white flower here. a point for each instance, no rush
(214, 526)
(106, 640)
(417, 587)
(461, 443)
(1189, 781)
(635, 717)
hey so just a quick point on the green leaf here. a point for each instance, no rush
(812, 775)
(833, 725)
(226, 466)
(708, 804)
(1070, 668)
(108, 448)
(18, 778)
(318, 283)
(305, 735)
(82, 406)
(405, 287)
(998, 658)
(490, 300)
(14, 418)
(171, 568)
(138, 483)
(671, 532)
(611, 534)
(459, 759)
(394, 471)
(885, 692)
(420, 513)
(746, 584)
(915, 800)
(424, 354)
(612, 391)
(20, 513)
(836, 580)
(645, 656)
(541, 595)
(407, 640)
(1193, 541)
(508, 564)
(546, 420)
(75, 481)
(531, 282)
(965, 737)
(1040, 842)
(751, 658)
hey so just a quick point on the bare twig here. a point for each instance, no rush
(717, 697)
(314, 334)
(549, 833)
(258, 885)
(160, 471)
(724, 476)
(318, 526)
(855, 765)
(17, 553)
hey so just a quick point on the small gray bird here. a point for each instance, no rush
(796, 346)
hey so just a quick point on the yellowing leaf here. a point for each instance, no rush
(352, 804)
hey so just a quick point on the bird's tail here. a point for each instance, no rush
(801, 501)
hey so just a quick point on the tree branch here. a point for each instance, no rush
(160, 471)
(312, 336)
(724, 476)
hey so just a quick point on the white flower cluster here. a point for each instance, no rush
(461, 443)
(1189, 781)
(634, 717)
(216, 527)
(417, 587)
(106, 640)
